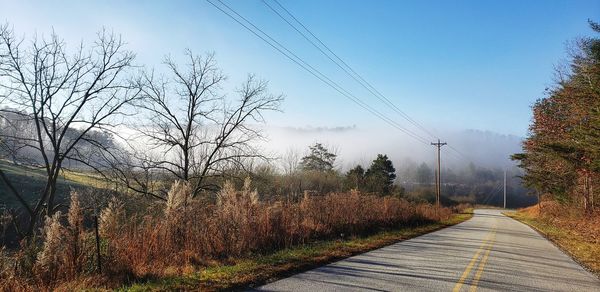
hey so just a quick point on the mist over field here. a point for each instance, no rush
(355, 144)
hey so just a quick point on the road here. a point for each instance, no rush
(486, 253)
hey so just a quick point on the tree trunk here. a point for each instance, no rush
(46, 199)
(53, 180)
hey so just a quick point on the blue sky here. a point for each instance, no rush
(451, 65)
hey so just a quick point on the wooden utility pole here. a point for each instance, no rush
(505, 189)
(438, 177)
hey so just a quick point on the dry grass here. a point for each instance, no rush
(259, 269)
(185, 235)
(63, 254)
(576, 234)
(194, 233)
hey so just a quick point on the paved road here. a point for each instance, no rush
(489, 252)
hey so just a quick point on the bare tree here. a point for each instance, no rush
(67, 96)
(137, 171)
(291, 160)
(200, 133)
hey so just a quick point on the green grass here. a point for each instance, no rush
(583, 249)
(260, 269)
(30, 182)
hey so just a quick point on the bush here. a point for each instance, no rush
(237, 224)
(191, 232)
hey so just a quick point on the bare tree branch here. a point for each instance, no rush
(67, 96)
(191, 123)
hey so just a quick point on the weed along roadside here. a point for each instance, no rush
(235, 241)
(256, 270)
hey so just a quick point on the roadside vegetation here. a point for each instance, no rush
(574, 233)
(561, 156)
(190, 239)
(260, 269)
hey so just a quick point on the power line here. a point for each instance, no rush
(350, 71)
(313, 71)
(493, 193)
(454, 155)
(458, 152)
(498, 188)
(346, 68)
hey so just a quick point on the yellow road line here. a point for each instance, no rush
(467, 271)
(482, 265)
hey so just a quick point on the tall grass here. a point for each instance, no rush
(187, 232)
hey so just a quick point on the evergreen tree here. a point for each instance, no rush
(319, 159)
(381, 175)
(562, 154)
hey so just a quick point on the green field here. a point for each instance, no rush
(30, 181)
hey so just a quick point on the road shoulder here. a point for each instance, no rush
(582, 251)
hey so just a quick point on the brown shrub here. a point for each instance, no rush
(50, 259)
(462, 207)
(9, 279)
(569, 217)
(112, 219)
(67, 250)
(191, 232)
(188, 232)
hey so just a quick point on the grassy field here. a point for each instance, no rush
(260, 269)
(30, 181)
(584, 248)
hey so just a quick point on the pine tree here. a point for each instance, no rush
(319, 159)
(381, 175)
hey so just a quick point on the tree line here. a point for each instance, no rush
(561, 155)
(379, 178)
(317, 172)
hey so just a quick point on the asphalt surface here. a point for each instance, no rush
(489, 252)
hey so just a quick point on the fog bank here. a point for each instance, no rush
(360, 145)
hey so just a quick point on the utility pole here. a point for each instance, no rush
(438, 178)
(504, 188)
